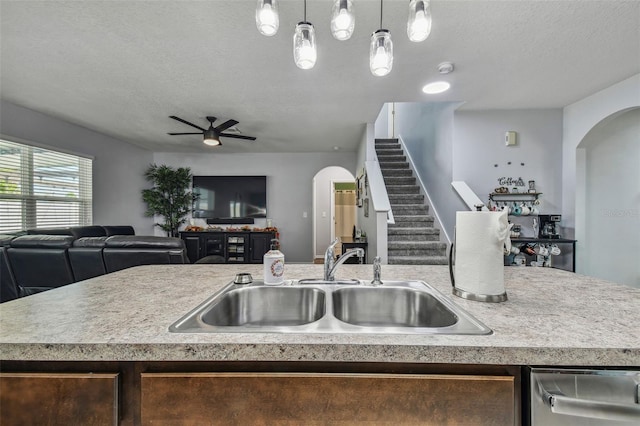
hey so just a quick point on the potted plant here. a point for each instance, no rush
(170, 196)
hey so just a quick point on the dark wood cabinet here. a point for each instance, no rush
(192, 244)
(259, 244)
(58, 398)
(232, 247)
(300, 398)
(245, 392)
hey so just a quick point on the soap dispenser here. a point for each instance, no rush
(273, 264)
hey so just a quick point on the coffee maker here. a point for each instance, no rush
(549, 226)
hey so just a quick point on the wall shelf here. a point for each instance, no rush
(514, 196)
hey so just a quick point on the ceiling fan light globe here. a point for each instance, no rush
(212, 142)
(211, 137)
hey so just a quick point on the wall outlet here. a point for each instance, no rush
(510, 138)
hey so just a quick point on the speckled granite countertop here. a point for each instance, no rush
(552, 317)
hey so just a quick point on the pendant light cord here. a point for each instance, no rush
(305, 10)
(380, 13)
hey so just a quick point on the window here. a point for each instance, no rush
(43, 188)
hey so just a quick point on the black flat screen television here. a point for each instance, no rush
(230, 199)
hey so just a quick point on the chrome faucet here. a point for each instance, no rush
(330, 262)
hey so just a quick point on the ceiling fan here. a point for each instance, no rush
(212, 134)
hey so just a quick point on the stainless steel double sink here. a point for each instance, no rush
(316, 306)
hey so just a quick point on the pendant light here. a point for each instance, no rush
(304, 43)
(342, 19)
(381, 51)
(267, 19)
(419, 23)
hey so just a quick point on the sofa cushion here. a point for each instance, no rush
(75, 231)
(5, 240)
(8, 288)
(118, 230)
(43, 241)
(147, 241)
(86, 257)
(93, 242)
(41, 260)
(49, 231)
(88, 231)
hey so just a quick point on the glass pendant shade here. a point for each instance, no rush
(342, 19)
(381, 53)
(267, 19)
(419, 23)
(304, 46)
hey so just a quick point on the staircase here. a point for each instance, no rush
(412, 240)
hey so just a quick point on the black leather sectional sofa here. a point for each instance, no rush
(42, 259)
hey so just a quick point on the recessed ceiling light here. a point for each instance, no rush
(436, 87)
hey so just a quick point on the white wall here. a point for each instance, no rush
(427, 130)
(479, 146)
(578, 119)
(323, 184)
(611, 247)
(381, 125)
(289, 187)
(118, 167)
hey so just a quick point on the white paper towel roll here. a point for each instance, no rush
(479, 251)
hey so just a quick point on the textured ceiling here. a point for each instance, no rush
(122, 67)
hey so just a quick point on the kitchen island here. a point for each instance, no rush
(118, 324)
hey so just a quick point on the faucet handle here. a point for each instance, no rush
(377, 271)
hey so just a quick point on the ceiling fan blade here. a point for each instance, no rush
(174, 134)
(185, 122)
(231, 135)
(211, 119)
(224, 126)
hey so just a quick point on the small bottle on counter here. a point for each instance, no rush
(273, 264)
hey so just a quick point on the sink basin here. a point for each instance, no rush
(318, 306)
(390, 307)
(262, 306)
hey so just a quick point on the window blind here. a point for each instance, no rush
(43, 188)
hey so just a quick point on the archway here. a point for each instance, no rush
(608, 198)
(324, 184)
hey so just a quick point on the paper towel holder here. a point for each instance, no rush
(492, 298)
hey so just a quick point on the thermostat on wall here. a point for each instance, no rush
(510, 138)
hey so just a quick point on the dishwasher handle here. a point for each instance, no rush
(561, 404)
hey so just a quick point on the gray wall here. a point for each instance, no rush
(289, 187)
(446, 144)
(118, 166)
(479, 146)
(612, 237)
(579, 119)
(427, 132)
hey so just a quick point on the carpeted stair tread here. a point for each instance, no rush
(396, 173)
(418, 260)
(412, 240)
(393, 165)
(399, 180)
(382, 159)
(403, 189)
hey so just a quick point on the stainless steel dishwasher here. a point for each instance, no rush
(584, 397)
